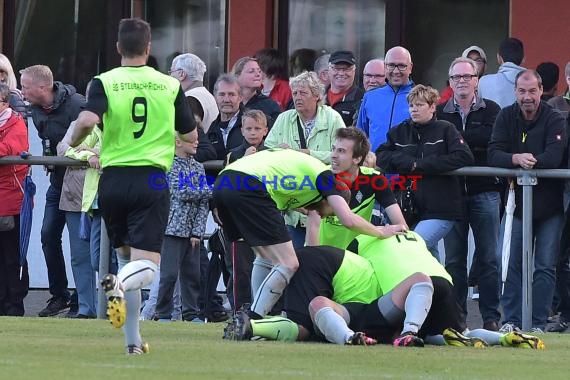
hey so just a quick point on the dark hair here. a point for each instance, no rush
(512, 50)
(134, 37)
(549, 72)
(361, 143)
(272, 63)
(527, 72)
(302, 60)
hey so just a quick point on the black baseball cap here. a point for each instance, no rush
(343, 56)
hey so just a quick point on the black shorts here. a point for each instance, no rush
(135, 212)
(317, 267)
(368, 319)
(444, 310)
(248, 214)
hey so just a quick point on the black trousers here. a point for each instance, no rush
(13, 289)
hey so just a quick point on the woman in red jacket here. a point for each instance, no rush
(13, 141)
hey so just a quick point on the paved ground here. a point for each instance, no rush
(36, 301)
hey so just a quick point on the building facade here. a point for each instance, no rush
(76, 38)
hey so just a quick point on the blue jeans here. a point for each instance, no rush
(432, 231)
(149, 309)
(95, 246)
(483, 216)
(83, 272)
(547, 244)
(297, 236)
(52, 231)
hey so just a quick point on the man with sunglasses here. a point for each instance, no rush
(473, 117)
(387, 106)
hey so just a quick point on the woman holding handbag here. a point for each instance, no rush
(13, 141)
(428, 147)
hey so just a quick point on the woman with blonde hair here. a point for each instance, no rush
(428, 147)
(249, 77)
(7, 76)
(309, 128)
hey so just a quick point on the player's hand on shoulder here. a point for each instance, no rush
(391, 230)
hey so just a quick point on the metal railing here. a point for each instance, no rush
(525, 178)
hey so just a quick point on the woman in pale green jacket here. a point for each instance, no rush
(309, 128)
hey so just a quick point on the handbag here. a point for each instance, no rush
(408, 205)
(7, 223)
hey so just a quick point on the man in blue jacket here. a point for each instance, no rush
(387, 106)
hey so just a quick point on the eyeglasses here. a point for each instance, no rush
(480, 60)
(173, 71)
(374, 76)
(465, 77)
(393, 66)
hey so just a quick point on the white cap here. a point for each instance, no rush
(474, 48)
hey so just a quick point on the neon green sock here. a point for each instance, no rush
(504, 341)
(275, 328)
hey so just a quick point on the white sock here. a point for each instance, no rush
(260, 271)
(131, 327)
(493, 338)
(137, 274)
(332, 325)
(271, 289)
(417, 306)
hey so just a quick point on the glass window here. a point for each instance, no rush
(188, 26)
(329, 25)
(437, 31)
(66, 35)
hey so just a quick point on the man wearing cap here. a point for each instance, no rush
(386, 106)
(342, 94)
(500, 87)
(474, 117)
(478, 55)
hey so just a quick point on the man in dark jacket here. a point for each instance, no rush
(473, 117)
(531, 135)
(53, 106)
(342, 94)
(225, 131)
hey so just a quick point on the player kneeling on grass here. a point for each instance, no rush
(311, 297)
(250, 195)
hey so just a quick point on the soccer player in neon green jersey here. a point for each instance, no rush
(140, 110)
(329, 294)
(350, 148)
(250, 195)
(397, 258)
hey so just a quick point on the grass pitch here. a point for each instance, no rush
(52, 348)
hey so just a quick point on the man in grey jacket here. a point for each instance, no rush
(500, 87)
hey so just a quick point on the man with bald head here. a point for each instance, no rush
(387, 106)
(374, 74)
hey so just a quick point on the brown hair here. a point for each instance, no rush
(133, 37)
(358, 137)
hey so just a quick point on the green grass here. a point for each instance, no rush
(51, 348)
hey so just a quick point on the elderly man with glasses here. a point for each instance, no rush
(387, 106)
(473, 117)
(342, 94)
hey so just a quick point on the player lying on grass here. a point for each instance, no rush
(321, 301)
